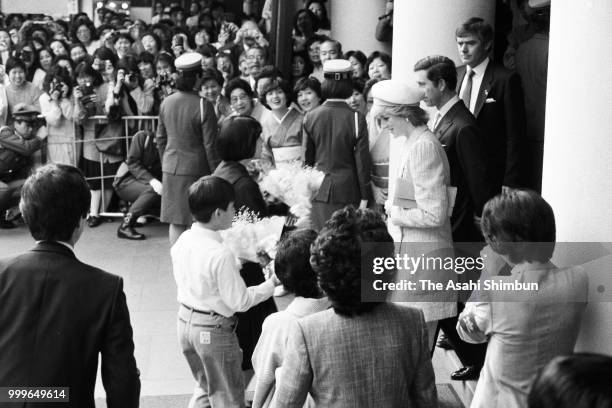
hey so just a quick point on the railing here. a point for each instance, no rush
(131, 124)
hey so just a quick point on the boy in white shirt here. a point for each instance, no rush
(210, 292)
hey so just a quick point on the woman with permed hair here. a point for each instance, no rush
(525, 326)
(293, 269)
(357, 354)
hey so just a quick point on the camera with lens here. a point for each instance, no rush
(87, 91)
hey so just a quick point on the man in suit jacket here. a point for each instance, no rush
(466, 149)
(356, 354)
(335, 140)
(58, 314)
(495, 97)
(464, 144)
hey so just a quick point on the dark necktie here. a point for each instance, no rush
(467, 90)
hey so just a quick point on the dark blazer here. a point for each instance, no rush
(331, 145)
(466, 150)
(186, 137)
(246, 190)
(57, 315)
(500, 115)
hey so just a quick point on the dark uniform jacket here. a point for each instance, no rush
(15, 153)
(186, 136)
(57, 316)
(333, 146)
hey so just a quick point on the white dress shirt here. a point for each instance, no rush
(208, 277)
(479, 72)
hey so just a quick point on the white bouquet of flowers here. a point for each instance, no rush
(250, 235)
(295, 185)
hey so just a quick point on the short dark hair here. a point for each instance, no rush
(308, 68)
(106, 54)
(238, 138)
(368, 86)
(358, 55)
(520, 224)
(580, 380)
(314, 20)
(336, 256)
(267, 71)
(238, 83)
(358, 84)
(384, 57)
(53, 201)
(214, 74)
(292, 263)
(307, 83)
(478, 27)
(208, 194)
(332, 88)
(85, 68)
(60, 74)
(276, 83)
(439, 67)
(14, 62)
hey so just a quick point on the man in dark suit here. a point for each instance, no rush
(58, 314)
(335, 140)
(494, 96)
(466, 149)
(464, 144)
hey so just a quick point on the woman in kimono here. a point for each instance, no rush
(281, 131)
(418, 207)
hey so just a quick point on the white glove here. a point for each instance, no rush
(157, 186)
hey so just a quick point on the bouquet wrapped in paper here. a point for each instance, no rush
(295, 185)
(251, 235)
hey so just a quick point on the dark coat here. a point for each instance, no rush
(466, 150)
(15, 152)
(185, 137)
(58, 314)
(500, 115)
(332, 146)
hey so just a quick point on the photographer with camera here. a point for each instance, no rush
(57, 107)
(129, 91)
(18, 144)
(165, 80)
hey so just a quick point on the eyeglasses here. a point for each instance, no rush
(242, 98)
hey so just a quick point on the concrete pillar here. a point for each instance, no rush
(577, 176)
(353, 23)
(427, 27)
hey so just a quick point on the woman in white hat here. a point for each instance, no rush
(419, 206)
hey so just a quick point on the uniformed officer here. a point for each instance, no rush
(17, 145)
(335, 141)
(185, 138)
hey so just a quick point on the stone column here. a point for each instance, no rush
(577, 176)
(353, 23)
(427, 27)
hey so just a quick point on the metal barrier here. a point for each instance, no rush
(131, 124)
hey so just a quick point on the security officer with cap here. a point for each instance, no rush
(17, 145)
(336, 142)
(185, 139)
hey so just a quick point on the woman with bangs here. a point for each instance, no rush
(282, 136)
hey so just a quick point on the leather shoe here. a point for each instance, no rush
(126, 232)
(93, 221)
(6, 224)
(444, 343)
(466, 373)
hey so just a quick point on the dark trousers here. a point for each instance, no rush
(141, 195)
(469, 354)
(10, 192)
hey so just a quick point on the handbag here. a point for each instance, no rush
(108, 138)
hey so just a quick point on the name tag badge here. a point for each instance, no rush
(204, 337)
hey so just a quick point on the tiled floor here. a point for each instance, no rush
(151, 296)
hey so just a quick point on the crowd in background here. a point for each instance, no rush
(75, 72)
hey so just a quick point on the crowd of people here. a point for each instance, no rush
(224, 116)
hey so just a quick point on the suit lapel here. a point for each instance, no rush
(443, 126)
(460, 76)
(485, 87)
